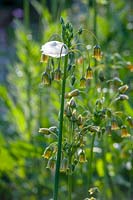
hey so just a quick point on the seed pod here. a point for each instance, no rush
(82, 157)
(45, 131)
(124, 132)
(51, 163)
(57, 74)
(123, 88)
(89, 73)
(46, 80)
(44, 58)
(47, 153)
(97, 53)
(83, 82)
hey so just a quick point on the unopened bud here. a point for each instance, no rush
(72, 103)
(44, 58)
(123, 88)
(57, 74)
(46, 78)
(83, 82)
(82, 157)
(130, 121)
(73, 93)
(45, 131)
(53, 129)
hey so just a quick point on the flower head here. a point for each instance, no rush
(54, 49)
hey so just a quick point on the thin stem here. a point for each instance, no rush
(26, 13)
(91, 159)
(57, 171)
(70, 162)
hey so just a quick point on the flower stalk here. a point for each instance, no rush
(57, 171)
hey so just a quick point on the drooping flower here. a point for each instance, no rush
(54, 49)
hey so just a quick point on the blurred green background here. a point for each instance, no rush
(25, 105)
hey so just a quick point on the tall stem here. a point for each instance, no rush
(70, 162)
(91, 159)
(57, 171)
(26, 13)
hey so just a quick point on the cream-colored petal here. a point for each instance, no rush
(54, 49)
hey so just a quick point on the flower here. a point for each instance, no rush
(54, 49)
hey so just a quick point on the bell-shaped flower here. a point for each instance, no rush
(54, 49)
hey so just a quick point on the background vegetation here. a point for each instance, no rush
(26, 106)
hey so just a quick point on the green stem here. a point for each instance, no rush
(57, 171)
(26, 13)
(70, 162)
(91, 159)
(69, 185)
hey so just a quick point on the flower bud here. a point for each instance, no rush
(130, 66)
(80, 120)
(89, 73)
(44, 131)
(117, 81)
(47, 153)
(67, 111)
(124, 132)
(94, 128)
(80, 31)
(53, 129)
(74, 117)
(101, 76)
(130, 121)
(97, 53)
(73, 93)
(57, 74)
(61, 20)
(114, 125)
(64, 165)
(123, 88)
(73, 79)
(83, 82)
(109, 113)
(82, 157)
(44, 58)
(72, 103)
(80, 60)
(51, 163)
(46, 78)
